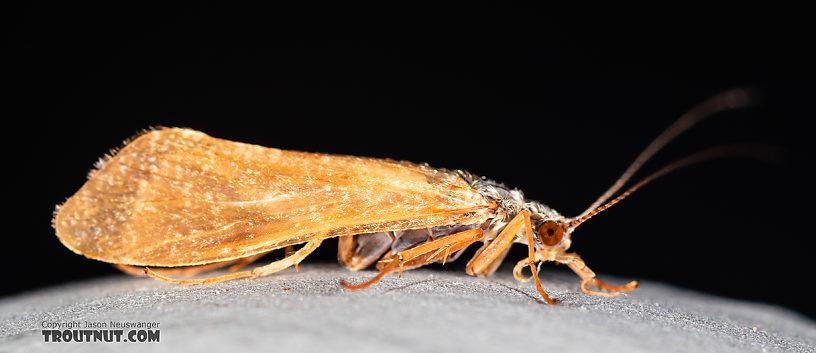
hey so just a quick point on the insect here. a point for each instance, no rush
(178, 202)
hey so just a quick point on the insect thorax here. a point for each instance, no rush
(510, 201)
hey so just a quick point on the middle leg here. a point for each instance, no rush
(358, 251)
(423, 254)
(488, 258)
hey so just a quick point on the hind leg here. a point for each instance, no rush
(273, 267)
(237, 264)
(191, 270)
(184, 271)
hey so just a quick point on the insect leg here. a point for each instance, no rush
(588, 279)
(275, 266)
(517, 271)
(183, 271)
(580, 268)
(246, 261)
(345, 249)
(289, 250)
(441, 248)
(191, 270)
(488, 258)
(290, 260)
(423, 254)
(531, 258)
(356, 252)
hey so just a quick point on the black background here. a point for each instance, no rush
(556, 103)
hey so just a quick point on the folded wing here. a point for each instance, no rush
(178, 197)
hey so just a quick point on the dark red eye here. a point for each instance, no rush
(550, 233)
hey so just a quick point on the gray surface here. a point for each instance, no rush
(425, 311)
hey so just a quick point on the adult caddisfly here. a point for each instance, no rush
(180, 198)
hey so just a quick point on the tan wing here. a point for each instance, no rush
(177, 197)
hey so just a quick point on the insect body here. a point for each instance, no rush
(180, 198)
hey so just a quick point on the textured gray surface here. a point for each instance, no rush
(425, 311)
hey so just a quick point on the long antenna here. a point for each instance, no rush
(731, 99)
(765, 153)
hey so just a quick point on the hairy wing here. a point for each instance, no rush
(178, 197)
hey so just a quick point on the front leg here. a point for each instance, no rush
(588, 279)
(490, 256)
(578, 266)
(528, 232)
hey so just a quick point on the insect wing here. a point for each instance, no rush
(178, 197)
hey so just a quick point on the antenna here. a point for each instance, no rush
(761, 152)
(731, 99)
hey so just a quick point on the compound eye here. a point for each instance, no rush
(550, 233)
